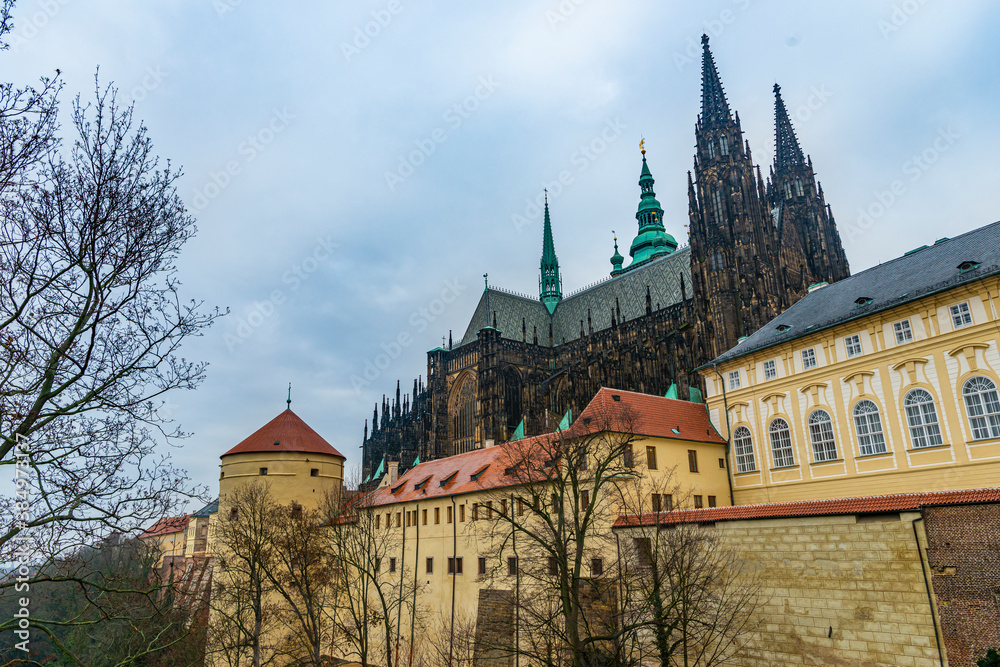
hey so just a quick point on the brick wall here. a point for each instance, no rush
(963, 551)
(494, 629)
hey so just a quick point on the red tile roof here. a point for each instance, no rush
(640, 414)
(285, 433)
(167, 525)
(900, 502)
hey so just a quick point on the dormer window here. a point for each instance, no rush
(862, 301)
(422, 484)
(784, 327)
(968, 265)
(447, 480)
(479, 473)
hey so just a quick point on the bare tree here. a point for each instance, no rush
(244, 626)
(555, 514)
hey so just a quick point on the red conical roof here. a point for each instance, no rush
(285, 433)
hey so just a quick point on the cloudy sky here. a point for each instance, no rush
(356, 167)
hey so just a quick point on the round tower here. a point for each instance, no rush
(298, 465)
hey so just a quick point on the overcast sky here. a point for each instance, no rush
(355, 167)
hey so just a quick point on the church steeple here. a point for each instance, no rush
(786, 146)
(652, 239)
(714, 107)
(549, 282)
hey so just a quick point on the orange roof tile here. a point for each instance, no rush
(900, 502)
(285, 433)
(630, 412)
(167, 525)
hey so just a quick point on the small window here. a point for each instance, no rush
(863, 301)
(553, 566)
(781, 444)
(314, 472)
(520, 507)
(656, 503)
(734, 380)
(722, 464)
(853, 345)
(584, 500)
(425, 517)
(489, 509)
(698, 503)
(503, 507)
(482, 565)
(455, 565)
(692, 460)
(430, 566)
(263, 471)
(871, 440)
(448, 513)
(511, 565)
(461, 513)
(651, 458)
(378, 521)
(968, 265)
(903, 332)
(643, 549)
(961, 316)
(770, 370)
(234, 514)
(399, 519)
(711, 501)
(596, 567)
(475, 511)
(983, 407)
(808, 359)
(437, 515)
(627, 456)
(392, 565)
(783, 327)
(667, 502)
(922, 419)
(821, 435)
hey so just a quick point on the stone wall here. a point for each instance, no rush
(494, 629)
(963, 551)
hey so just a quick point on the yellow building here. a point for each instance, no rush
(445, 544)
(168, 537)
(884, 382)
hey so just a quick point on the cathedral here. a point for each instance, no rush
(526, 365)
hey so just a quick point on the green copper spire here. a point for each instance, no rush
(549, 282)
(652, 239)
(616, 260)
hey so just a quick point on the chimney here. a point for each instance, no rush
(393, 471)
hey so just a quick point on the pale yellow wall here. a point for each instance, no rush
(196, 537)
(939, 359)
(288, 475)
(170, 544)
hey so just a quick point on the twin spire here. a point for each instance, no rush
(786, 146)
(714, 107)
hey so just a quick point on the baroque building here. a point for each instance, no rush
(526, 364)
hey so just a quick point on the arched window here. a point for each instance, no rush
(743, 442)
(821, 436)
(723, 144)
(922, 419)
(711, 148)
(512, 398)
(798, 187)
(464, 416)
(871, 440)
(781, 444)
(717, 205)
(788, 190)
(983, 406)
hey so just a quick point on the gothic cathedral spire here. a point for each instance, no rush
(810, 247)
(549, 282)
(652, 239)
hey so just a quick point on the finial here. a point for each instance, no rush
(642, 146)
(486, 281)
(289, 401)
(704, 39)
(546, 190)
(777, 88)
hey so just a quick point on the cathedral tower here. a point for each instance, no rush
(811, 251)
(733, 240)
(652, 240)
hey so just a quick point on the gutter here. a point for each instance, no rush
(729, 433)
(924, 565)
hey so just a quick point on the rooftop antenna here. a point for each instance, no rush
(289, 401)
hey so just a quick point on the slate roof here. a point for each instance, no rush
(913, 276)
(167, 525)
(662, 276)
(900, 502)
(481, 469)
(208, 509)
(285, 433)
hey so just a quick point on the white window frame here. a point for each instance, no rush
(903, 331)
(824, 444)
(734, 380)
(770, 369)
(743, 446)
(780, 435)
(982, 406)
(809, 359)
(868, 425)
(852, 344)
(961, 315)
(922, 419)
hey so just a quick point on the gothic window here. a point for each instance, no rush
(711, 148)
(717, 205)
(723, 145)
(798, 187)
(922, 419)
(983, 406)
(464, 415)
(512, 398)
(788, 190)
(821, 435)
(871, 439)
(743, 442)
(781, 444)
